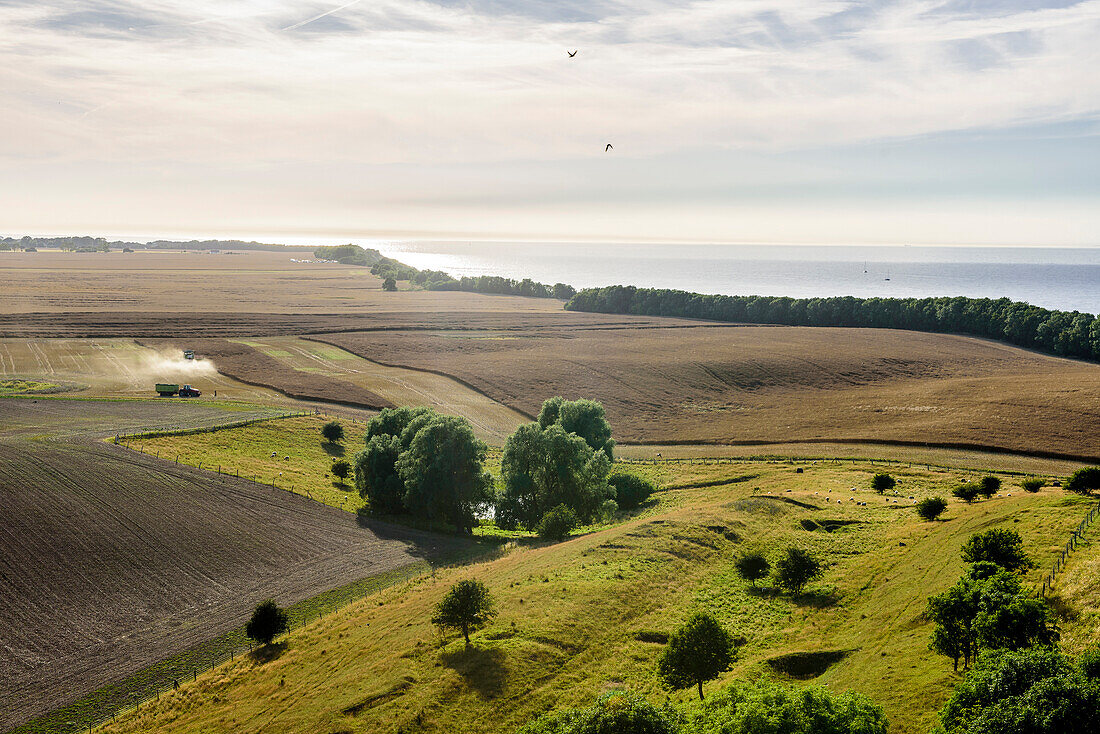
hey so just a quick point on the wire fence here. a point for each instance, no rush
(1075, 539)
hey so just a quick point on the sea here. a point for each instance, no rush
(1067, 279)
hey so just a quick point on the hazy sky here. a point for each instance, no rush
(974, 121)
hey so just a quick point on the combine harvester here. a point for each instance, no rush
(167, 390)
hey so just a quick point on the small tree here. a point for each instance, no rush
(796, 569)
(341, 469)
(630, 490)
(557, 523)
(966, 492)
(466, 606)
(931, 507)
(882, 482)
(1032, 484)
(989, 486)
(332, 432)
(1001, 546)
(389, 284)
(268, 621)
(753, 566)
(697, 652)
(1084, 480)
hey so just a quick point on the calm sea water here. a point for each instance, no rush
(1067, 279)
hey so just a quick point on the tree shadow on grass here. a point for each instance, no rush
(483, 669)
(267, 653)
(816, 599)
(333, 449)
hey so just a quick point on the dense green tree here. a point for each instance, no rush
(1032, 691)
(795, 569)
(418, 420)
(544, 468)
(698, 651)
(267, 623)
(930, 508)
(967, 492)
(616, 712)
(585, 418)
(376, 475)
(467, 606)
(882, 482)
(953, 613)
(989, 486)
(753, 566)
(392, 421)
(999, 545)
(332, 432)
(1032, 484)
(1084, 480)
(630, 489)
(341, 469)
(443, 472)
(389, 284)
(765, 707)
(557, 523)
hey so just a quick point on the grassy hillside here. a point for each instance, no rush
(580, 617)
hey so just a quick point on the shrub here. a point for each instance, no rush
(753, 566)
(1032, 484)
(341, 469)
(931, 507)
(268, 621)
(557, 523)
(1001, 546)
(332, 432)
(764, 706)
(630, 490)
(796, 569)
(1084, 480)
(966, 492)
(389, 284)
(989, 486)
(697, 652)
(882, 482)
(467, 606)
(616, 712)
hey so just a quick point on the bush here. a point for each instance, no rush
(989, 486)
(557, 523)
(1032, 484)
(389, 284)
(753, 566)
(882, 482)
(630, 490)
(966, 492)
(1084, 481)
(774, 708)
(268, 622)
(796, 569)
(332, 432)
(341, 469)
(613, 713)
(467, 606)
(1000, 546)
(697, 652)
(931, 507)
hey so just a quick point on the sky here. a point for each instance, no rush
(772, 121)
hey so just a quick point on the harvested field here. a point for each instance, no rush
(753, 384)
(111, 560)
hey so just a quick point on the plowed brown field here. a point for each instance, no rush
(111, 560)
(774, 384)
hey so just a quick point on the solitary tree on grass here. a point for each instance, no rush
(467, 606)
(1032, 484)
(268, 621)
(1084, 480)
(882, 482)
(796, 569)
(753, 566)
(989, 486)
(332, 432)
(341, 469)
(967, 492)
(931, 507)
(697, 652)
(999, 545)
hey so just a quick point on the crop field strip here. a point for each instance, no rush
(84, 539)
(774, 384)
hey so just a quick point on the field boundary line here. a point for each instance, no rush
(786, 459)
(1076, 537)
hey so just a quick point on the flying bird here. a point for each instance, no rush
(609, 147)
(572, 53)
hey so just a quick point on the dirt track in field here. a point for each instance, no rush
(774, 384)
(111, 560)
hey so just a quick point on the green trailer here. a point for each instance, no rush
(166, 390)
